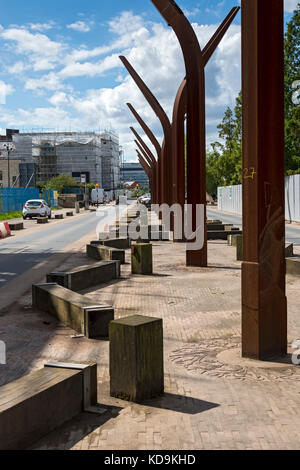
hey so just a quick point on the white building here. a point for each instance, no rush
(97, 155)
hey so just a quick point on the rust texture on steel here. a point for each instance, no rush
(195, 61)
(150, 159)
(264, 309)
(145, 146)
(147, 169)
(166, 154)
(157, 147)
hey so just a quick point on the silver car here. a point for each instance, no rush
(36, 208)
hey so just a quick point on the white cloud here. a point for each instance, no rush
(5, 90)
(59, 99)
(80, 26)
(153, 51)
(47, 82)
(290, 5)
(41, 26)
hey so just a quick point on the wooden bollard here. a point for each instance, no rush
(136, 358)
(141, 258)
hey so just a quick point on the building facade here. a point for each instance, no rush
(96, 155)
(134, 172)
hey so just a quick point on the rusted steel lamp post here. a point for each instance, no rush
(264, 308)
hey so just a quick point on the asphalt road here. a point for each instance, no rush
(292, 232)
(21, 253)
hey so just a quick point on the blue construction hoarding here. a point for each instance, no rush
(13, 199)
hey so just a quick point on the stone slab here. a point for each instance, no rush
(222, 234)
(73, 309)
(36, 404)
(83, 277)
(105, 253)
(16, 226)
(293, 266)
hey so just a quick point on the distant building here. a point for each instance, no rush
(49, 154)
(134, 172)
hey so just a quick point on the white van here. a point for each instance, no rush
(97, 197)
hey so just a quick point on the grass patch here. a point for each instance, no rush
(11, 215)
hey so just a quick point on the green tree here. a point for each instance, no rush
(58, 183)
(224, 161)
(292, 108)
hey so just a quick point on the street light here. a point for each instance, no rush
(9, 149)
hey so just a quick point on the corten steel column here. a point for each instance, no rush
(157, 147)
(264, 309)
(146, 168)
(152, 167)
(166, 163)
(151, 160)
(179, 112)
(195, 61)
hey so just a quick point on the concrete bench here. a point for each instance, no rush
(293, 265)
(83, 277)
(72, 309)
(59, 216)
(119, 243)
(38, 403)
(105, 253)
(16, 226)
(218, 227)
(42, 220)
(222, 234)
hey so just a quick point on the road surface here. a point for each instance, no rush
(292, 231)
(21, 253)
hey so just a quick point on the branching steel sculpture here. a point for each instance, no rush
(195, 62)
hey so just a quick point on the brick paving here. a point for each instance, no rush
(207, 404)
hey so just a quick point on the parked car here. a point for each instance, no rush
(145, 196)
(147, 202)
(36, 208)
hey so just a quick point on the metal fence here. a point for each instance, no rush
(13, 199)
(230, 198)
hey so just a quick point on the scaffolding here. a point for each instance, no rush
(97, 155)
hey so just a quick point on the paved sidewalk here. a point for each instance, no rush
(207, 404)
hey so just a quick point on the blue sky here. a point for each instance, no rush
(59, 66)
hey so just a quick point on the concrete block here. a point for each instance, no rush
(289, 250)
(83, 277)
(38, 403)
(59, 216)
(293, 266)
(239, 246)
(72, 309)
(69, 214)
(222, 234)
(218, 227)
(105, 253)
(141, 258)
(136, 358)
(42, 220)
(120, 243)
(16, 226)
